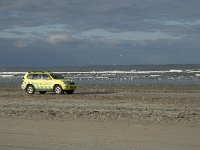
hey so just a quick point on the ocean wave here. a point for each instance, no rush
(131, 76)
(111, 72)
(6, 76)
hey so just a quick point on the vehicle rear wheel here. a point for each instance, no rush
(58, 89)
(30, 89)
(42, 92)
(70, 91)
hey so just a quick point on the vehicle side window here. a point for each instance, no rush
(45, 76)
(30, 76)
(37, 76)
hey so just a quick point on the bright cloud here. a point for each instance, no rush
(102, 34)
(60, 38)
(33, 32)
(181, 23)
(20, 44)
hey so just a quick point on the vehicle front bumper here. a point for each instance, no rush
(69, 87)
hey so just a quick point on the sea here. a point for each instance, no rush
(132, 74)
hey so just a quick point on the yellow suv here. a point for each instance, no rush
(46, 82)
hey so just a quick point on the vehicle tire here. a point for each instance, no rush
(70, 91)
(42, 92)
(58, 89)
(30, 89)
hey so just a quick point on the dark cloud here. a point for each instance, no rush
(96, 53)
(90, 14)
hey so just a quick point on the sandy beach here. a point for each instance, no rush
(102, 116)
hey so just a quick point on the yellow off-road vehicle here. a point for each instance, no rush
(43, 82)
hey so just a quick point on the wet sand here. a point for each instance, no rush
(102, 116)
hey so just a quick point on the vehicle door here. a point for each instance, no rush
(37, 81)
(47, 82)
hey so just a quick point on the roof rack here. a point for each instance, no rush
(38, 71)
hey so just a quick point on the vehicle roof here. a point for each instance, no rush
(39, 72)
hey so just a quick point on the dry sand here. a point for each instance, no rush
(102, 116)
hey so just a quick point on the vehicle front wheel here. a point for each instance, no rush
(58, 89)
(30, 89)
(70, 91)
(42, 92)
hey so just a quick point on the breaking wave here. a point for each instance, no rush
(120, 76)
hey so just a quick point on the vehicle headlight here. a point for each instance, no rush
(66, 82)
(69, 82)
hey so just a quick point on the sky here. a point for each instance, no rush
(99, 32)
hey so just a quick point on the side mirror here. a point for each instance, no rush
(48, 78)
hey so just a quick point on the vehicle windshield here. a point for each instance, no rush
(57, 76)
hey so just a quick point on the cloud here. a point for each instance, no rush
(20, 44)
(102, 34)
(33, 31)
(60, 38)
(138, 29)
(181, 23)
